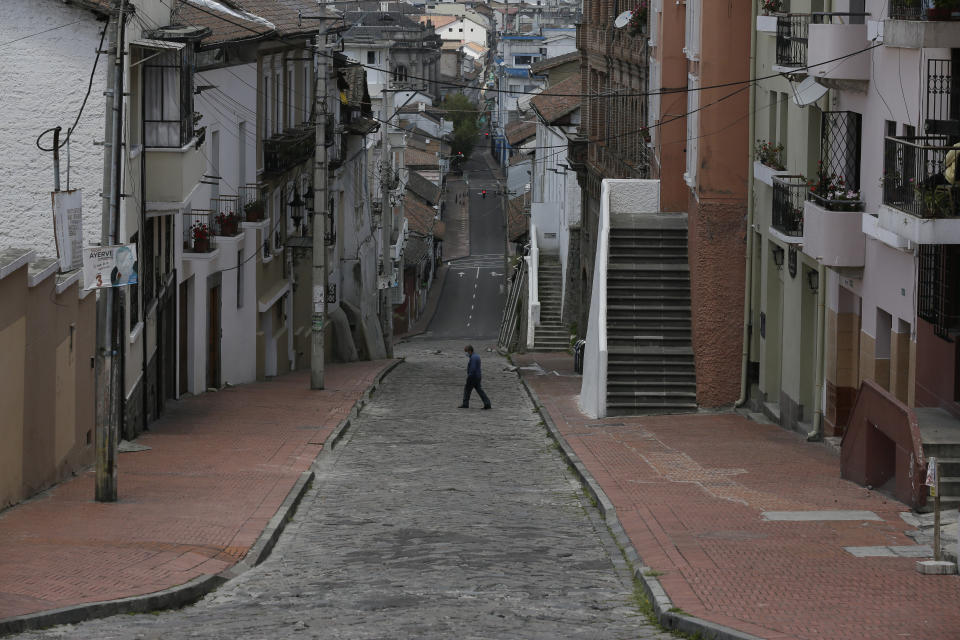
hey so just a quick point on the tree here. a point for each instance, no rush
(463, 114)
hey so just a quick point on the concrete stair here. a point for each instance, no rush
(551, 334)
(940, 434)
(650, 367)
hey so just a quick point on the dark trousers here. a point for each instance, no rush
(474, 383)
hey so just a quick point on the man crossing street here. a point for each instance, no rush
(473, 380)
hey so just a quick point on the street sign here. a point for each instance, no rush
(114, 266)
(932, 476)
(68, 228)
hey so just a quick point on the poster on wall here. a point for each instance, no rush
(114, 266)
(68, 228)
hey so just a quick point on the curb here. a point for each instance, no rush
(659, 600)
(433, 303)
(189, 592)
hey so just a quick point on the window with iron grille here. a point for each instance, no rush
(938, 300)
(792, 30)
(943, 105)
(840, 145)
(168, 99)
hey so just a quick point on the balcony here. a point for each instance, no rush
(253, 202)
(173, 173)
(921, 201)
(789, 193)
(201, 225)
(792, 36)
(284, 151)
(832, 232)
(834, 42)
(911, 25)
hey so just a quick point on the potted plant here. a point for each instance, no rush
(229, 223)
(771, 6)
(832, 191)
(769, 154)
(941, 10)
(638, 19)
(200, 233)
(645, 134)
(254, 210)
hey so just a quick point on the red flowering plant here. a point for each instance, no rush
(228, 223)
(200, 231)
(831, 192)
(638, 18)
(771, 6)
(645, 134)
(769, 154)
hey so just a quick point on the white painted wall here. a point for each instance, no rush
(43, 83)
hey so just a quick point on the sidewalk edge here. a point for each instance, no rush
(655, 592)
(189, 592)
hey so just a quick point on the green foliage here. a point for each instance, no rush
(463, 114)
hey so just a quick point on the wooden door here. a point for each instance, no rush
(184, 386)
(213, 338)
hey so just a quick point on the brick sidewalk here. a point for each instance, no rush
(219, 467)
(690, 489)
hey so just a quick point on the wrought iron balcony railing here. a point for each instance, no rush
(919, 176)
(789, 193)
(253, 202)
(792, 33)
(938, 296)
(907, 10)
(287, 149)
(198, 230)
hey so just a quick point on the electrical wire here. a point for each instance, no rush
(9, 42)
(86, 96)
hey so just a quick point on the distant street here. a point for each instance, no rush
(472, 298)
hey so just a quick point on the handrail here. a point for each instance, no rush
(593, 392)
(533, 285)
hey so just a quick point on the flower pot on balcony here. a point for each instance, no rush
(254, 211)
(229, 227)
(201, 245)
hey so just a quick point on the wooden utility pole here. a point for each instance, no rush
(107, 369)
(319, 274)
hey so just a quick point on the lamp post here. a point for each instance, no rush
(296, 209)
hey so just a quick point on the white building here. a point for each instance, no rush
(44, 81)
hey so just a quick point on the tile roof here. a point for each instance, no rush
(246, 19)
(437, 20)
(476, 47)
(518, 221)
(556, 61)
(414, 158)
(517, 132)
(558, 100)
(426, 190)
(415, 250)
(421, 218)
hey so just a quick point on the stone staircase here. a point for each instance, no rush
(650, 358)
(551, 334)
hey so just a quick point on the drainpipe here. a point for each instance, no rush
(747, 294)
(817, 434)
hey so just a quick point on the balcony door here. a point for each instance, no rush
(214, 332)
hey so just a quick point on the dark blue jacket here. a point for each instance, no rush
(473, 367)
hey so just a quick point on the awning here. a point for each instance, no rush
(158, 44)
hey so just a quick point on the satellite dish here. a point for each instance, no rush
(808, 91)
(623, 19)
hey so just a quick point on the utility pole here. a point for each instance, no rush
(386, 221)
(319, 226)
(107, 371)
(506, 235)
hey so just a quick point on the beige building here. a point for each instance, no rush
(46, 379)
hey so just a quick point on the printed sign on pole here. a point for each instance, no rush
(68, 228)
(114, 266)
(932, 476)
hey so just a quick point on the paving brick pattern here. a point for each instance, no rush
(690, 489)
(427, 522)
(219, 467)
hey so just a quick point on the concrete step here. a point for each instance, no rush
(640, 266)
(646, 409)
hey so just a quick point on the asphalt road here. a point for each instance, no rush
(473, 295)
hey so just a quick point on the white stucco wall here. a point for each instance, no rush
(43, 83)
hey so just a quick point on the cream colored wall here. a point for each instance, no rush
(13, 343)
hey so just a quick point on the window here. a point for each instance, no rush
(277, 113)
(167, 100)
(525, 59)
(692, 31)
(242, 153)
(400, 73)
(291, 116)
(371, 57)
(306, 93)
(267, 122)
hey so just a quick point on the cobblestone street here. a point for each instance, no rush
(427, 522)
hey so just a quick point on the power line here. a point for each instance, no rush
(3, 44)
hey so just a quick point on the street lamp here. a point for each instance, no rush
(296, 205)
